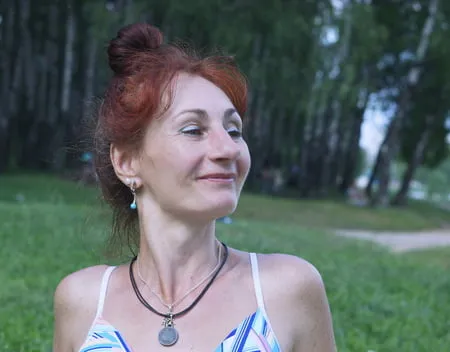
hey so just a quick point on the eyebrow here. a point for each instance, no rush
(227, 114)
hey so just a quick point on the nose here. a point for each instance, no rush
(222, 146)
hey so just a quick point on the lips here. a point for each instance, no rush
(219, 177)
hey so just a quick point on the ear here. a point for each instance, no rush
(125, 163)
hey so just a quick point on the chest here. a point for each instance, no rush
(253, 333)
(225, 319)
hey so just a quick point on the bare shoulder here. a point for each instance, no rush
(75, 304)
(299, 275)
(79, 284)
(296, 301)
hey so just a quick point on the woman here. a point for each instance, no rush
(171, 159)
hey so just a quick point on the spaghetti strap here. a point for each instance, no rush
(103, 288)
(253, 333)
(257, 282)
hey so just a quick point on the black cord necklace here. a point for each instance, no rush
(168, 335)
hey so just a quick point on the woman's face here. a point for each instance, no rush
(194, 160)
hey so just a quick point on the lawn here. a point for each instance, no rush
(380, 301)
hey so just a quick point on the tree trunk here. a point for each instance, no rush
(15, 96)
(90, 71)
(382, 167)
(29, 64)
(30, 28)
(382, 196)
(88, 86)
(292, 137)
(67, 75)
(352, 149)
(332, 142)
(333, 137)
(5, 62)
(416, 160)
(307, 148)
(68, 59)
(52, 54)
(323, 147)
(259, 113)
(39, 136)
(342, 140)
(389, 147)
(278, 136)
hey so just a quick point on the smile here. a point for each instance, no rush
(219, 178)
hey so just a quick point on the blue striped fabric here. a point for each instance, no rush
(253, 334)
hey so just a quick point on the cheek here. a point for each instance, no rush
(244, 161)
(181, 163)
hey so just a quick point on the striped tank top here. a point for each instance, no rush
(254, 333)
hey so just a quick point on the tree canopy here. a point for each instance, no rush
(313, 66)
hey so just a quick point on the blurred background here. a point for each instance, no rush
(348, 126)
(341, 91)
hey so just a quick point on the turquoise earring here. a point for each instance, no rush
(133, 205)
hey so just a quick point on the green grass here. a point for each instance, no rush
(322, 214)
(437, 256)
(335, 214)
(380, 301)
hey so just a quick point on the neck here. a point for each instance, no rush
(174, 255)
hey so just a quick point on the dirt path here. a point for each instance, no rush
(402, 241)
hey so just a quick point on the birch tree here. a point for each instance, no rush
(389, 147)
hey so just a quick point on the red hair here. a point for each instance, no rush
(144, 70)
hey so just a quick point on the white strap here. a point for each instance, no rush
(103, 288)
(257, 281)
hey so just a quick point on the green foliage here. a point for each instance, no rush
(101, 21)
(437, 180)
(429, 107)
(379, 301)
(311, 66)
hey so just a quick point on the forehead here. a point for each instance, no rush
(195, 92)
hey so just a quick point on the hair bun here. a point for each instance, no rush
(131, 40)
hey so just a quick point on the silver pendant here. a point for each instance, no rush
(168, 335)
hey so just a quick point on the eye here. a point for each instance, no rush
(192, 130)
(234, 132)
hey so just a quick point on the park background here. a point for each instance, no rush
(348, 126)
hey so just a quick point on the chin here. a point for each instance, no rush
(220, 209)
(210, 206)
